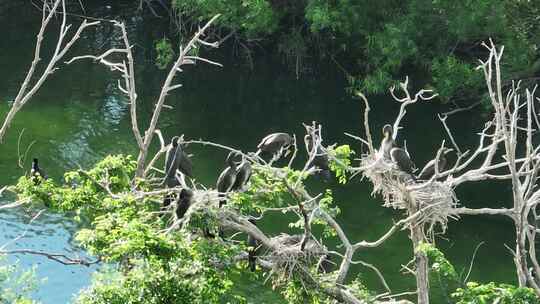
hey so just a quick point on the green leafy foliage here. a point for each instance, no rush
(377, 41)
(250, 17)
(341, 161)
(475, 293)
(454, 78)
(16, 286)
(326, 203)
(266, 190)
(190, 277)
(295, 293)
(164, 53)
(439, 263)
(156, 267)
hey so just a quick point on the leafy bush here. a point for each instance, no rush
(16, 285)
(475, 293)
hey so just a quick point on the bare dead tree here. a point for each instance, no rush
(522, 161)
(125, 66)
(425, 206)
(33, 81)
(510, 133)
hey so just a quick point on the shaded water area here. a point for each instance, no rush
(79, 116)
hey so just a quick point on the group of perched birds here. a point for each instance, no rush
(237, 171)
(234, 176)
(400, 156)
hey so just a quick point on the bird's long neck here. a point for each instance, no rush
(231, 164)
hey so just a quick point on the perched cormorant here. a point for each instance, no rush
(243, 174)
(37, 171)
(253, 248)
(177, 159)
(403, 160)
(227, 178)
(429, 168)
(388, 142)
(275, 143)
(183, 203)
(320, 160)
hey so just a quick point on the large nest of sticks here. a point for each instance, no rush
(401, 191)
(289, 255)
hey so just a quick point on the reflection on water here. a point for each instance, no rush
(79, 116)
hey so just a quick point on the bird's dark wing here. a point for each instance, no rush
(428, 170)
(225, 180)
(172, 161)
(266, 140)
(402, 159)
(182, 207)
(242, 176)
(185, 165)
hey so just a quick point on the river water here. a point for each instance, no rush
(80, 116)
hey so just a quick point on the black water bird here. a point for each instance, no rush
(403, 160)
(243, 174)
(36, 172)
(253, 248)
(177, 159)
(275, 143)
(320, 160)
(227, 178)
(388, 142)
(429, 168)
(184, 202)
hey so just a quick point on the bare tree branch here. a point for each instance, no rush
(29, 88)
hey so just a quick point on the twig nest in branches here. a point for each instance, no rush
(289, 254)
(400, 191)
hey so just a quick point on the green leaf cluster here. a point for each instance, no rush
(164, 53)
(340, 161)
(377, 41)
(249, 17)
(475, 293)
(266, 190)
(191, 277)
(16, 286)
(154, 267)
(438, 262)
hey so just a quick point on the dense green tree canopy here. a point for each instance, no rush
(378, 41)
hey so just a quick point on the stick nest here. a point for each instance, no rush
(400, 191)
(289, 257)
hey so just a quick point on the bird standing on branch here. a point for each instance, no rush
(176, 159)
(387, 143)
(36, 173)
(243, 175)
(403, 160)
(227, 178)
(275, 144)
